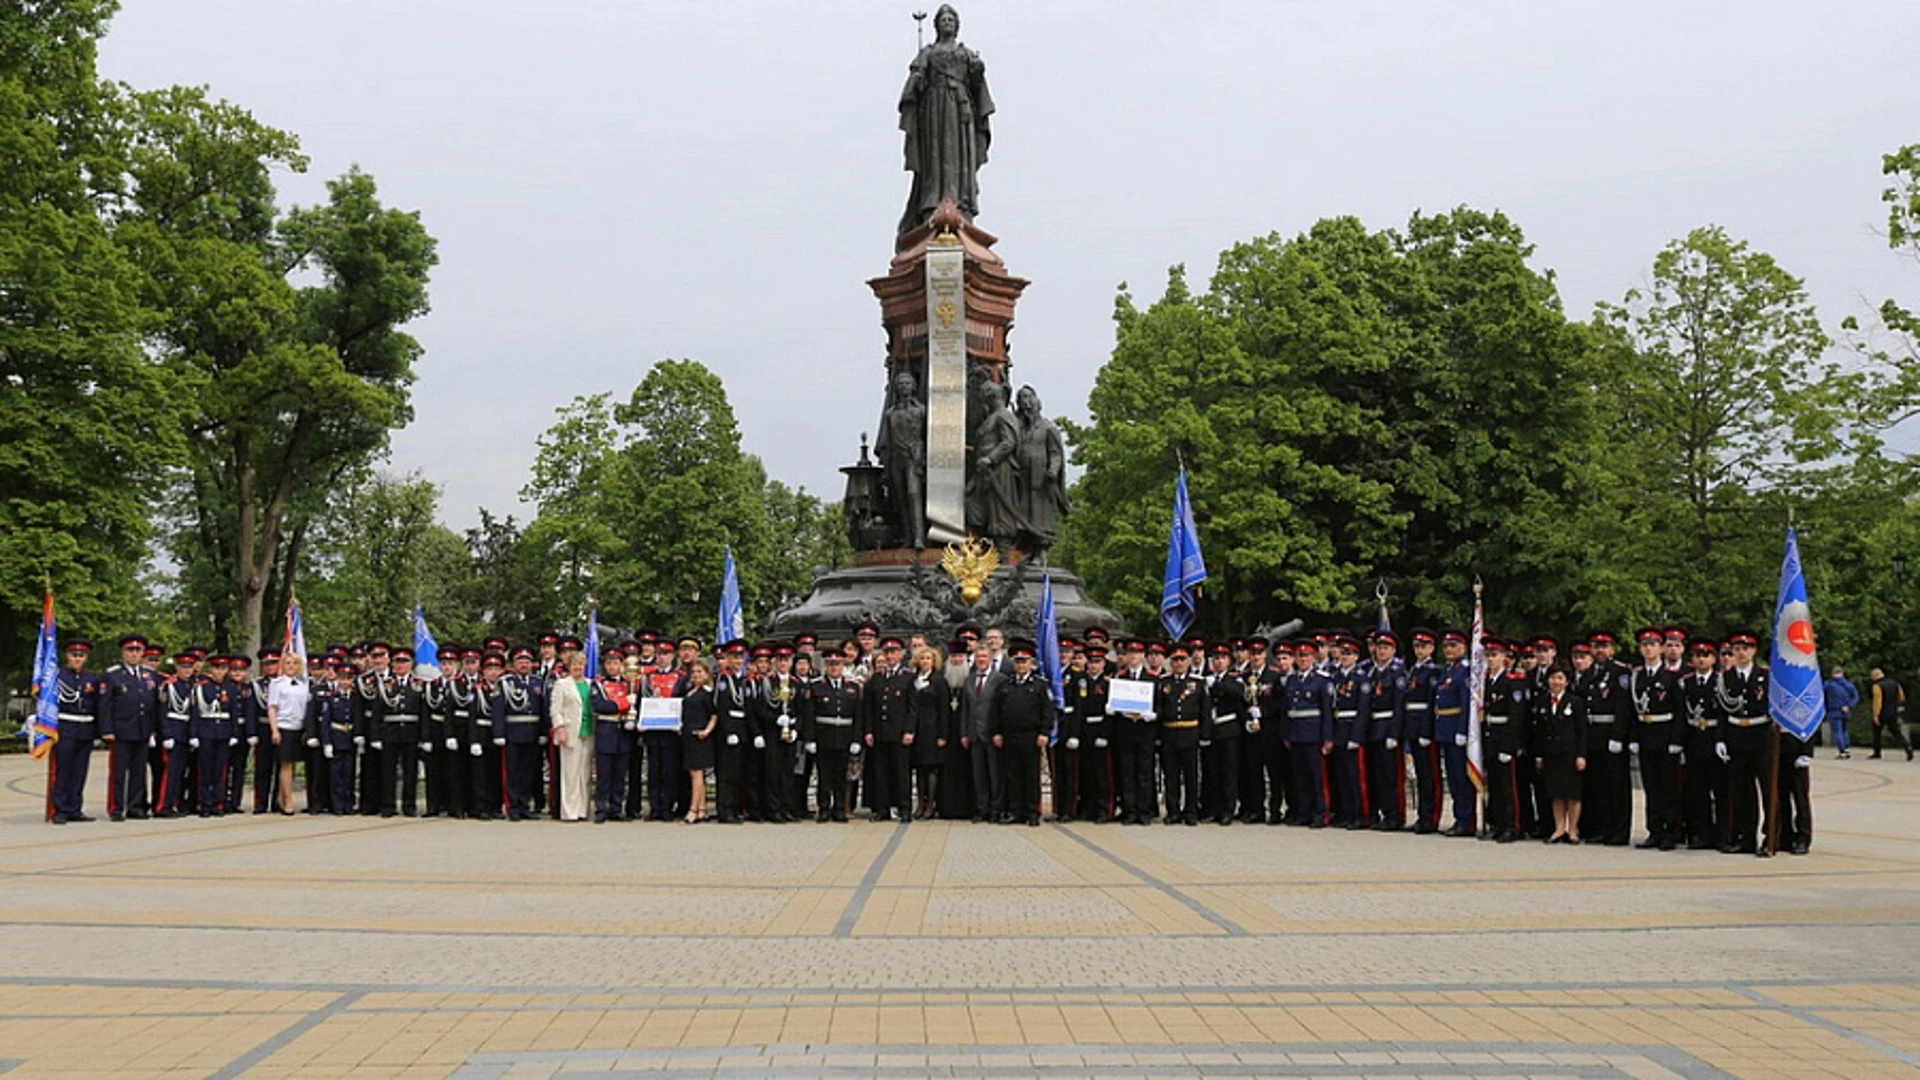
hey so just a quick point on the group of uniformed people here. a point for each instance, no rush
(1323, 730)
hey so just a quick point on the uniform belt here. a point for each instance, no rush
(1378, 715)
(1181, 724)
(1496, 721)
(343, 728)
(1746, 721)
(1702, 724)
(1345, 714)
(1418, 706)
(75, 718)
(834, 721)
(1656, 718)
(1303, 712)
(180, 716)
(213, 716)
(1599, 719)
(523, 719)
(1455, 711)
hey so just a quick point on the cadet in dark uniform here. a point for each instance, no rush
(613, 739)
(1423, 678)
(215, 708)
(80, 698)
(1087, 693)
(1703, 783)
(1745, 744)
(337, 731)
(179, 742)
(1067, 742)
(1271, 795)
(832, 709)
(732, 696)
(460, 705)
(1386, 732)
(437, 743)
(1606, 685)
(1452, 698)
(1795, 831)
(1558, 737)
(367, 738)
(776, 715)
(1504, 742)
(1023, 716)
(1655, 691)
(1133, 736)
(489, 775)
(1181, 703)
(1230, 697)
(1351, 807)
(1308, 724)
(128, 719)
(518, 715)
(886, 729)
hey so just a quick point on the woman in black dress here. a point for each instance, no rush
(698, 718)
(931, 728)
(1559, 735)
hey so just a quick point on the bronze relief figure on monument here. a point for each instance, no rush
(965, 466)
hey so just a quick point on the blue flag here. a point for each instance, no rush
(42, 730)
(426, 651)
(1186, 569)
(296, 643)
(1047, 635)
(1794, 694)
(593, 643)
(733, 621)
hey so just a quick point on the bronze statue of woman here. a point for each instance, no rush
(944, 111)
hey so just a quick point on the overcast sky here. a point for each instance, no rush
(616, 182)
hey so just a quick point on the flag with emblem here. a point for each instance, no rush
(426, 651)
(1795, 696)
(296, 643)
(1186, 568)
(1047, 636)
(1477, 703)
(42, 729)
(733, 618)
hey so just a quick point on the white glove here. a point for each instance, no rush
(1149, 716)
(359, 740)
(1254, 712)
(1393, 744)
(233, 740)
(426, 748)
(1073, 744)
(1353, 745)
(150, 741)
(1675, 748)
(168, 745)
(1425, 742)
(499, 742)
(1720, 751)
(1099, 744)
(1460, 740)
(312, 743)
(1634, 746)
(1506, 758)
(1615, 746)
(543, 740)
(253, 740)
(1206, 742)
(854, 749)
(759, 742)
(377, 745)
(733, 740)
(812, 748)
(327, 751)
(474, 750)
(453, 744)
(1801, 762)
(1253, 726)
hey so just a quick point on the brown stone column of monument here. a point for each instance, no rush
(985, 316)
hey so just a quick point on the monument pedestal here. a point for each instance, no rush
(887, 593)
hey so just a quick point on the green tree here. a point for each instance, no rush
(380, 551)
(85, 430)
(1735, 411)
(279, 333)
(1350, 405)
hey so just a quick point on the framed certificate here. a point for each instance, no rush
(1130, 695)
(660, 714)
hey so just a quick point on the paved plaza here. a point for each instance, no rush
(325, 947)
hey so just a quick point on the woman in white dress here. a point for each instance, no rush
(570, 709)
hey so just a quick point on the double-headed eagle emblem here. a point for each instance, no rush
(970, 563)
